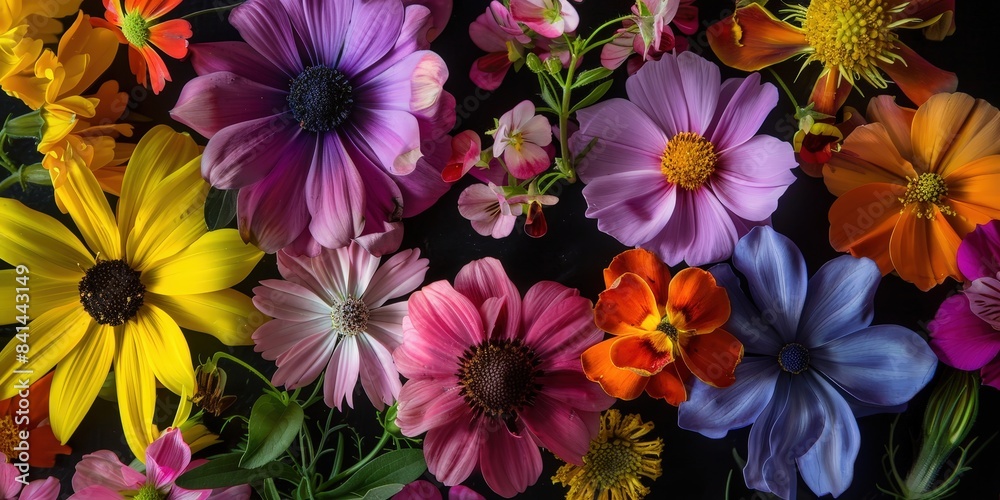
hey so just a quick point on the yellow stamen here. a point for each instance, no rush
(688, 160)
(928, 190)
(8, 437)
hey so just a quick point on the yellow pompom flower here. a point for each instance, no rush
(120, 297)
(616, 462)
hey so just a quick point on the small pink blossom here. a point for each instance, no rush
(486, 206)
(548, 18)
(11, 487)
(647, 35)
(521, 138)
(466, 149)
(496, 33)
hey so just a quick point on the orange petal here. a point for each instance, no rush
(618, 383)
(863, 219)
(952, 130)
(669, 384)
(628, 308)
(643, 354)
(171, 37)
(712, 357)
(867, 155)
(753, 39)
(923, 251)
(975, 186)
(645, 264)
(897, 121)
(830, 91)
(696, 302)
(45, 447)
(916, 77)
(158, 74)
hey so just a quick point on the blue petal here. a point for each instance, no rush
(828, 467)
(776, 272)
(745, 321)
(713, 411)
(840, 300)
(883, 365)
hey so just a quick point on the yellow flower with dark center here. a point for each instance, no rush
(617, 461)
(120, 298)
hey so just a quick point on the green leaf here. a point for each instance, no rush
(220, 208)
(225, 471)
(591, 76)
(273, 426)
(384, 492)
(393, 468)
(270, 490)
(547, 96)
(594, 96)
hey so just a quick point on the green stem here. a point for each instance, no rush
(209, 11)
(601, 28)
(9, 182)
(925, 469)
(220, 355)
(568, 167)
(7, 162)
(361, 463)
(784, 87)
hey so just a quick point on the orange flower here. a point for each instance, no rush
(136, 26)
(17, 418)
(752, 39)
(656, 322)
(911, 185)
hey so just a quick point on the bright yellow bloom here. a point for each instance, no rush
(121, 298)
(617, 460)
(24, 26)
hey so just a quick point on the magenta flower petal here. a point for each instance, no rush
(634, 219)
(453, 452)
(991, 373)
(548, 18)
(267, 28)
(960, 338)
(486, 278)
(321, 27)
(334, 195)
(166, 458)
(984, 299)
(364, 46)
(426, 404)
(461, 492)
(627, 139)
(743, 106)
(237, 58)
(440, 11)
(978, 253)
(242, 154)
(104, 469)
(453, 318)
(510, 463)
(418, 490)
(566, 431)
(696, 212)
(215, 101)
(692, 83)
(394, 138)
(286, 215)
(571, 388)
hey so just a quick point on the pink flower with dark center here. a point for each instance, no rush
(331, 314)
(492, 377)
(548, 18)
(521, 139)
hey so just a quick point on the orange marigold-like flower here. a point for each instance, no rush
(911, 185)
(664, 330)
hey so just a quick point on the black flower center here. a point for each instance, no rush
(111, 292)
(668, 329)
(321, 98)
(794, 358)
(498, 378)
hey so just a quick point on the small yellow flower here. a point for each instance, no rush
(617, 460)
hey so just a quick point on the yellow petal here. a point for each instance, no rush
(165, 349)
(97, 45)
(170, 218)
(228, 315)
(40, 242)
(52, 336)
(86, 204)
(218, 260)
(44, 293)
(78, 379)
(136, 390)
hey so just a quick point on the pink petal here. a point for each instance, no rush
(700, 231)
(364, 46)
(564, 331)
(561, 428)
(385, 324)
(991, 373)
(461, 492)
(984, 300)
(213, 102)
(750, 177)
(977, 253)
(488, 71)
(290, 301)
(416, 357)
(445, 321)
(302, 363)
(43, 489)
(485, 278)
(418, 490)
(398, 276)
(743, 106)
(540, 297)
(272, 213)
(465, 149)
(452, 453)
(9, 486)
(301, 269)
(267, 29)
(637, 218)
(510, 463)
(321, 26)
(335, 195)
(530, 161)
(97, 493)
(960, 338)
(103, 469)
(278, 336)
(426, 404)
(379, 377)
(679, 92)
(342, 374)
(238, 58)
(614, 54)
(627, 140)
(166, 458)
(572, 388)
(423, 187)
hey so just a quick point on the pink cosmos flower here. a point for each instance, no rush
(466, 148)
(677, 168)
(521, 139)
(11, 487)
(330, 130)
(647, 38)
(497, 33)
(424, 490)
(965, 332)
(101, 476)
(548, 18)
(331, 314)
(492, 377)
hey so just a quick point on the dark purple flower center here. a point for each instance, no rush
(794, 358)
(111, 292)
(321, 98)
(498, 378)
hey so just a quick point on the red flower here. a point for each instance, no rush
(18, 419)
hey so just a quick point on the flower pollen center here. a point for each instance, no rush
(668, 329)
(794, 358)
(928, 190)
(111, 292)
(611, 462)
(9, 438)
(135, 29)
(688, 160)
(148, 492)
(350, 316)
(498, 378)
(321, 99)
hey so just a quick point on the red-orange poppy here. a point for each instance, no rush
(30, 415)
(136, 25)
(664, 329)
(753, 38)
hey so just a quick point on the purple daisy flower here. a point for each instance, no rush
(330, 129)
(812, 361)
(676, 168)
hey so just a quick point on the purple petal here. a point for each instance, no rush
(960, 338)
(884, 365)
(740, 116)
(321, 27)
(627, 139)
(635, 219)
(700, 230)
(335, 195)
(828, 467)
(245, 152)
(364, 46)
(746, 322)
(265, 26)
(342, 373)
(991, 373)
(379, 377)
(418, 490)
(840, 300)
(212, 102)
(510, 463)
(461, 492)
(238, 58)
(776, 273)
(166, 458)
(679, 92)
(452, 453)
(750, 177)
(272, 213)
(391, 137)
(784, 431)
(984, 300)
(713, 411)
(979, 251)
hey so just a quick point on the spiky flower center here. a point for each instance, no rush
(688, 160)
(612, 461)
(321, 98)
(667, 329)
(111, 292)
(498, 378)
(148, 492)
(350, 316)
(927, 190)
(135, 29)
(794, 358)
(9, 437)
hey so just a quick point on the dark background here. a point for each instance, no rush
(574, 252)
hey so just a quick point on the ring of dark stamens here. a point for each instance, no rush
(321, 98)
(498, 378)
(111, 292)
(668, 329)
(794, 358)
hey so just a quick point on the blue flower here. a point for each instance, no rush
(812, 363)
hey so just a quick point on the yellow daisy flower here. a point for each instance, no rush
(120, 299)
(24, 26)
(616, 462)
